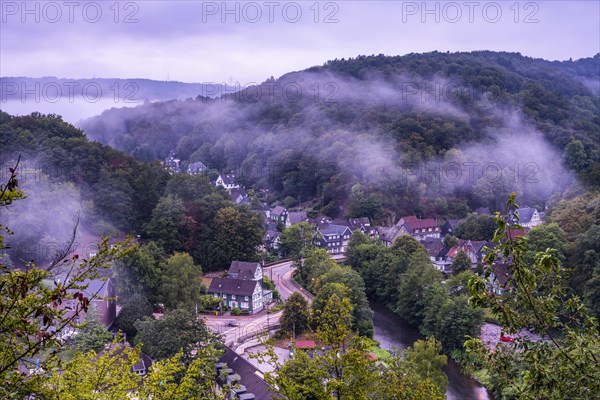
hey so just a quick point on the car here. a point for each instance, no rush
(506, 339)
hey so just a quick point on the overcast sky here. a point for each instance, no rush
(199, 41)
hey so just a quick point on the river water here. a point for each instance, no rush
(391, 331)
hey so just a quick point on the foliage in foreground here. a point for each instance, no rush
(565, 363)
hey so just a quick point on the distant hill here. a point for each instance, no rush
(77, 99)
(390, 124)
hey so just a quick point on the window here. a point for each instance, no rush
(244, 305)
(245, 298)
(233, 297)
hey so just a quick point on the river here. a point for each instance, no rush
(391, 331)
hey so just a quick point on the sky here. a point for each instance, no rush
(246, 42)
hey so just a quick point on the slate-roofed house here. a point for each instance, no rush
(227, 181)
(245, 380)
(245, 270)
(449, 227)
(245, 294)
(333, 238)
(239, 196)
(437, 252)
(529, 217)
(172, 163)
(196, 168)
(362, 224)
(467, 247)
(140, 368)
(272, 239)
(498, 282)
(295, 218)
(102, 297)
(483, 211)
(278, 214)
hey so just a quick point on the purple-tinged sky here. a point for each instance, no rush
(204, 41)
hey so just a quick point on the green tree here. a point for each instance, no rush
(461, 263)
(476, 227)
(565, 364)
(165, 223)
(316, 265)
(296, 316)
(429, 361)
(238, 234)
(92, 335)
(575, 156)
(450, 241)
(178, 330)
(134, 309)
(297, 241)
(31, 323)
(181, 281)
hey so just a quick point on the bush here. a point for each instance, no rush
(245, 312)
(235, 311)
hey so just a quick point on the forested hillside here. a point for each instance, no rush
(69, 178)
(435, 134)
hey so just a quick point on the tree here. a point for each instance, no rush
(181, 281)
(295, 315)
(428, 360)
(297, 241)
(32, 320)
(165, 223)
(476, 227)
(461, 263)
(575, 156)
(450, 241)
(563, 365)
(315, 265)
(134, 309)
(110, 373)
(178, 330)
(92, 335)
(238, 234)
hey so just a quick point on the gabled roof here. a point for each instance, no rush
(358, 223)
(525, 214)
(271, 234)
(412, 224)
(453, 223)
(278, 210)
(238, 194)
(515, 233)
(483, 211)
(238, 287)
(250, 376)
(143, 364)
(196, 167)
(297, 217)
(333, 229)
(228, 179)
(243, 269)
(434, 246)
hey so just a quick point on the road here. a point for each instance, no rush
(236, 330)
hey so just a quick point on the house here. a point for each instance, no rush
(449, 227)
(142, 367)
(101, 294)
(239, 195)
(483, 211)
(437, 253)
(419, 228)
(196, 168)
(499, 279)
(227, 181)
(278, 214)
(243, 380)
(333, 238)
(272, 240)
(465, 246)
(245, 270)
(295, 218)
(245, 294)
(529, 217)
(172, 163)
(362, 224)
